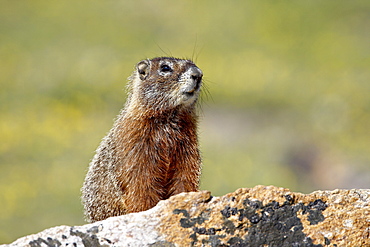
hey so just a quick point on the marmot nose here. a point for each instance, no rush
(196, 74)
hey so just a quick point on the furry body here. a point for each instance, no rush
(151, 153)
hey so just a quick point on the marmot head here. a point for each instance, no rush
(164, 83)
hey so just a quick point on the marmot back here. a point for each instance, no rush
(151, 153)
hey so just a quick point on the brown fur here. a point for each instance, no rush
(151, 153)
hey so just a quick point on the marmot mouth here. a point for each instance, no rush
(190, 94)
(191, 91)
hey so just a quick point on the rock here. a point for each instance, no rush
(259, 216)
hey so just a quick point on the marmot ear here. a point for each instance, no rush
(143, 68)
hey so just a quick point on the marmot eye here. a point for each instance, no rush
(166, 68)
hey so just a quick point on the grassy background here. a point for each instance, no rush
(288, 103)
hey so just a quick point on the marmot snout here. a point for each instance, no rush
(151, 153)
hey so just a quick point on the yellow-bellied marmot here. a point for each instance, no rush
(151, 153)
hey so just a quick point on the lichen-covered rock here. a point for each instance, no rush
(260, 216)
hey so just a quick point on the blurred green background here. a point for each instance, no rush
(288, 100)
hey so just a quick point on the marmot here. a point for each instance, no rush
(151, 153)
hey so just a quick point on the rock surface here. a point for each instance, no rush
(259, 216)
